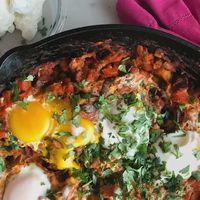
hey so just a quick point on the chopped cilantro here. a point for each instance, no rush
(15, 92)
(13, 142)
(86, 95)
(165, 146)
(83, 83)
(29, 78)
(50, 195)
(61, 118)
(122, 68)
(199, 118)
(2, 165)
(185, 170)
(173, 183)
(176, 151)
(50, 97)
(76, 120)
(196, 153)
(23, 104)
(107, 173)
(154, 135)
(181, 107)
(63, 134)
(196, 175)
(126, 59)
(191, 100)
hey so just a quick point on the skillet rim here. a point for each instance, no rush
(101, 27)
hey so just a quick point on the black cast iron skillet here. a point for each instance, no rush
(74, 42)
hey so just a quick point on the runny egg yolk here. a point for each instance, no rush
(30, 124)
(41, 119)
(62, 158)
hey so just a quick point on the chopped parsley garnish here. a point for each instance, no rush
(2, 165)
(126, 59)
(63, 134)
(74, 99)
(185, 170)
(122, 68)
(50, 97)
(83, 83)
(15, 91)
(181, 107)
(165, 146)
(29, 78)
(196, 153)
(176, 152)
(23, 104)
(42, 183)
(61, 118)
(13, 142)
(196, 175)
(50, 195)
(76, 120)
(173, 184)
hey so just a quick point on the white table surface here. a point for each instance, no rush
(89, 12)
(78, 13)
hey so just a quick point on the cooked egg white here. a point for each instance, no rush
(30, 184)
(6, 18)
(187, 144)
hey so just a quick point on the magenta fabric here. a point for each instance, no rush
(194, 6)
(172, 16)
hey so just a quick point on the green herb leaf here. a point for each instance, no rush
(154, 135)
(181, 107)
(83, 83)
(126, 59)
(29, 78)
(61, 118)
(50, 195)
(76, 120)
(176, 151)
(165, 146)
(13, 142)
(63, 134)
(196, 175)
(23, 104)
(196, 153)
(107, 173)
(122, 68)
(185, 170)
(2, 165)
(50, 97)
(15, 92)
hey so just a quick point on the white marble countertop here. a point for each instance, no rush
(78, 13)
(89, 12)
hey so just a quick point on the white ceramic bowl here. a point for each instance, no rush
(52, 22)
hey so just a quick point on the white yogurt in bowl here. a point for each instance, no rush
(28, 21)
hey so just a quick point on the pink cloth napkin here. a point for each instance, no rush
(178, 17)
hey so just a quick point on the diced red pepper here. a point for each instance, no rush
(3, 134)
(180, 96)
(107, 190)
(69, 88)
(7, 95)
(110, 72)
(57, 89)
(24, 85)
